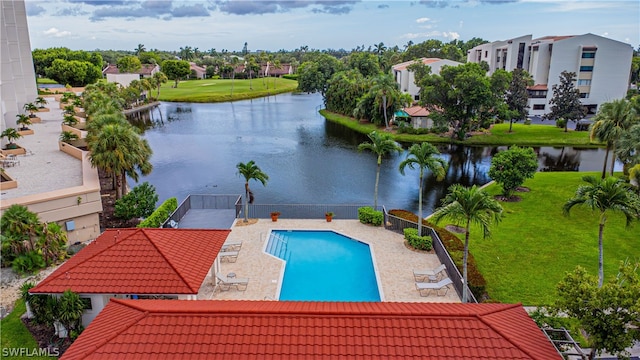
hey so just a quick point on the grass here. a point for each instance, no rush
(45, 81)
(523, 135)
(534, 245)
(15, 335)
(219, 90)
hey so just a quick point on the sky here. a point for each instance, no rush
(273, 25)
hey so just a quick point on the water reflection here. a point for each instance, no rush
(308, 159)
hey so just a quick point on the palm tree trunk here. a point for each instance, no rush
(246, 202)
(465, 287)
(123, 192)
(600, 257)
(384, 109)
(511, 125)
(604, 166)
(613, 157)
(375, 191)
(420, 206)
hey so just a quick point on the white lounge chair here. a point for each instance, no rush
(225, 282)
(235, 245)
(424, 288)
(229, 256)
(432, 274)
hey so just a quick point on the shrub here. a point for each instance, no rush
(561, 123)
(140, 202)
(161, 214)
(290, 76)
(417, 242)
(367, 215)
(28, 262)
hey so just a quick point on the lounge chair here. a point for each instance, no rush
(228, 256)
(424, 288)
(225, 282)
(432, 274)
(232, 246)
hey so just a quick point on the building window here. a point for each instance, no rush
(87, 303)
(520, 55)
(588, 55)
(538, 106)
(586, 68)
(486, 53)
(584, 95)
(584, 82)
(537, 94)
(416, 97)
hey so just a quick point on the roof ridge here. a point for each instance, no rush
(49, 279)
(144, 231)
(505, 336)
(114, 334)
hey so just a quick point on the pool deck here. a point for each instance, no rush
(393, 261)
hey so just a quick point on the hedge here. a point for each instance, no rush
(161, 214)
(455, 248)
(367, 215)
(417, 242)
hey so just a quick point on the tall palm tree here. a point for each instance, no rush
(383, 87)
(423, 157)
(250, 171)
(380, 145)
(469, 205)
(628, 147)
(613, 120)
(603, 196)
(140, 49)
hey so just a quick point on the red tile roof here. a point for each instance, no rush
(183, 329)
(538, 87)
(416, 111)
(139, 261)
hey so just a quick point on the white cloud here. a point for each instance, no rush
(422, 20)
(447, 35)
(55, 32)
(451, 35)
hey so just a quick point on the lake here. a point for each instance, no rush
(308, 160)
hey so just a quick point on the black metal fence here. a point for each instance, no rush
(206, 201)
(304, 211)
(397, 225)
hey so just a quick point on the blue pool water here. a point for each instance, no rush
(324, 266)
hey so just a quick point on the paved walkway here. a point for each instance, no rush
(394, 263)
(44, 168)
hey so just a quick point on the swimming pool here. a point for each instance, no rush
(323, 266)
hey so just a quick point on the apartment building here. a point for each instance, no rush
(406, 78)
(602, 66)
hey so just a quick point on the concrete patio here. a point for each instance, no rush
(393, 261)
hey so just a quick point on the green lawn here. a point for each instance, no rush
(45, 81)
(13, 333)
(535, 244)
(219, 90)
(523, 135)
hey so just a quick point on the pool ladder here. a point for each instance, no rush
(278, 246)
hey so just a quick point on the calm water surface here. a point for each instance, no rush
(309, 161)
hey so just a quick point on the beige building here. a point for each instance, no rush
(53, 181)
(406, 79)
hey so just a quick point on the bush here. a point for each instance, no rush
(290, 76)
(367, 215)
(161, 214)
(417, 242)
(561, 123)
(28, 262)
(139, 203)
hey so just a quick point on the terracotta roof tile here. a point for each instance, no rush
(131, 329)
(139, 261)
(538, 87)
(416, 111)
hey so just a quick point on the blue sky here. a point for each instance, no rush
(273, 25)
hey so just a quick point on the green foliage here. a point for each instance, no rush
(512, 167)
(73, 72)
(139, 203)
(417, 242)
(28, 262)
(69, 311)
(129, 64)
(15, 334)
(161, 214)
(609, 314)
(314, 74)
(517, 95)
(44, 58)
(367, 215)
(67, 136)
(290, 76)
(176, 69)
(11, 134)
(565, 102)
(561, 123)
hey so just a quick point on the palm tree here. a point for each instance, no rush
(628, 147)
(11, 134)
(604, 195)
(250, 171)
(380, 145)
(423, 157)
(31, 108)
(41, 101)
(159, 78)
(67, 136)
(234, 63)
(384, 86)
(613, 120)
(469, 205)
(24, 121)
(140, 49)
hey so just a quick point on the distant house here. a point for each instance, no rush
(199, 71)
(419, 117)
(406, 79)
(137, 263)
(132, 329)
(270, 70)
(113, 74)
